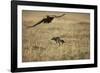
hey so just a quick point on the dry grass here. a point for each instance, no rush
(73, 28)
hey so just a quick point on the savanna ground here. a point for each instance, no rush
(73, 28)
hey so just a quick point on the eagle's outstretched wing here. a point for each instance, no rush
(58, 16)
(36, 23)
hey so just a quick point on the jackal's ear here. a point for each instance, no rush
(47, 15)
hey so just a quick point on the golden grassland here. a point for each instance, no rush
(73, 28)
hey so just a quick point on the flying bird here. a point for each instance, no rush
(47, 20)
